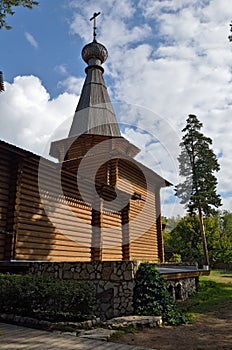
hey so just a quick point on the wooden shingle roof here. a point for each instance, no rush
(94, 113)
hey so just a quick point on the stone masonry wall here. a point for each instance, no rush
(113, 282)
(181, 289)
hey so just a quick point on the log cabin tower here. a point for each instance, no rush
(94, 120)
(95, 136)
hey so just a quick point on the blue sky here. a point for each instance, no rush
(48, 25)
(167, 59)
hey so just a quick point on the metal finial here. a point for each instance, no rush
(94, 24)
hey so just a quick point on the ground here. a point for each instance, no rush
(212, 330)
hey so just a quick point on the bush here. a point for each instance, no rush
(46, 297)
(175, 258)
(152, 298)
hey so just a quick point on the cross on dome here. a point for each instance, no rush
(94, 24)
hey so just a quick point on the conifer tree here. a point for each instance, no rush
(197, 164)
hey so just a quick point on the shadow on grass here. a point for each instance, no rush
(212, 297)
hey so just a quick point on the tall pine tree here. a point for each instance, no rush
(197, 164)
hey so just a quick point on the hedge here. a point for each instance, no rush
(46, 298)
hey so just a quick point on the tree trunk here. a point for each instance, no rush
(204, 241)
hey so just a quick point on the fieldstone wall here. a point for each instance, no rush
(181, 289)
(113, 282)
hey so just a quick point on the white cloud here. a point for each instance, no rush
(62, 69)
(116, 24)
(31, 40)
(30, 116)
(72, 84)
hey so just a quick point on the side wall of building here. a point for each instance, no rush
(43, 209)
(51, 222)
(8, 183)
(142, 224)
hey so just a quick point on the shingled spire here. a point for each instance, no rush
(94, 113)
(94, 120)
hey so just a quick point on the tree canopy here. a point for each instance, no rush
(197, 164)
(182, 237)
(7, 8)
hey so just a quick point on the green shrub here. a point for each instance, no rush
(175, 258)
(46, 297)
(152, 298)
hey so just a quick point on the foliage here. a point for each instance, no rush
(213, 296)
(6, 8)
(45, 297)
(184, 238)
(152, 298)
(197, 164)
(175, 258)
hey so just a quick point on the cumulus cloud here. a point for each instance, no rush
(72, 84)
(30, 116)
(31, 40)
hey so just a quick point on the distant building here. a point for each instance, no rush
(96, 203)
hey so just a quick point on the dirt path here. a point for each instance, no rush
(212, 331)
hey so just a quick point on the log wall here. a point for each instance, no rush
(143, 235)
(40, 204)
(111, 236)
(8, 183)
(4, 199)
(50, 225)
(140, 234)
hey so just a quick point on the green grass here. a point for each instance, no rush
(221, 273)
(214, 295)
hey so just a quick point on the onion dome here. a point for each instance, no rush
(96, 51)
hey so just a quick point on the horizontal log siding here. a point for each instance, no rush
(128, 172)
(4, 198)
(111, 234)
(143, 242)
(63, 235)
(86, 143)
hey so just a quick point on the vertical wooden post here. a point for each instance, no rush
(11, 227)
(159, 226)
(96, 248)
(125, 233)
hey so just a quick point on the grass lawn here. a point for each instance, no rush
(210, 320)
(214, 295)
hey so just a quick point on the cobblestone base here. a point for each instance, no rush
(113, 282)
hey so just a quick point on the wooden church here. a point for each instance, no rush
(95, 202)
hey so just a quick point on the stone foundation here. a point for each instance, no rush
(113, 282)
(181, 289)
